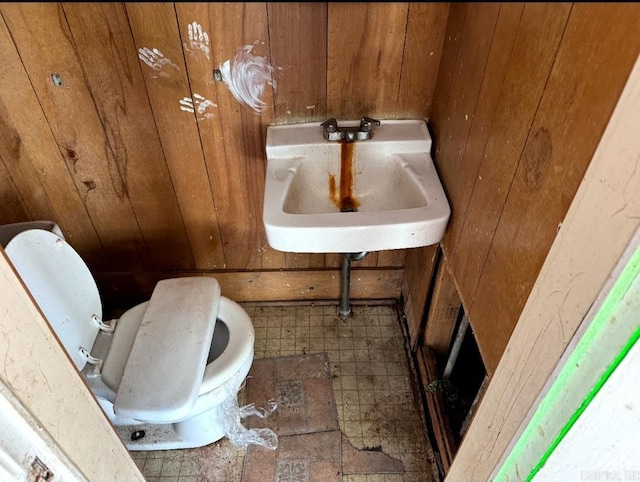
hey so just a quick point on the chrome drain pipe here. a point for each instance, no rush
(345, 307)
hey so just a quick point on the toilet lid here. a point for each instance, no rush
(61, 285)
(168, 358)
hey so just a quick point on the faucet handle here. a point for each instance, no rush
(367, 123)
(330, 130)
(330, 125)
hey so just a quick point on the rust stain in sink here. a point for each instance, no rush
(344, 199)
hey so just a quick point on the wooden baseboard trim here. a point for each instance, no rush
(122, 290)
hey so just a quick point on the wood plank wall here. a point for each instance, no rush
(142, 188)
(523, 95)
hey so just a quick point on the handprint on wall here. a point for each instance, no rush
(161, 65)
(198, 39)
(199, 105)
(246, 75)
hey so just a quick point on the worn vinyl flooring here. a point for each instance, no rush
(372, 385)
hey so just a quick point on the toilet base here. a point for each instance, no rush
(196, 431)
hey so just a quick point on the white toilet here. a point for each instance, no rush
(168, 371)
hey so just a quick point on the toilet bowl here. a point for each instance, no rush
(168, 371)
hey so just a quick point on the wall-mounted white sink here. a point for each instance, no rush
(334, 197)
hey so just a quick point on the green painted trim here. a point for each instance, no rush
(594, 334)
(589, 398)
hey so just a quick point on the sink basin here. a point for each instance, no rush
(346, 197)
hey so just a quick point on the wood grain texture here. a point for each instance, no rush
(426, 26)
(23, 187)
(155, 28)
(502, 44)
(445, 439)
(533, 55)
(234, 142)
(102, 36)
(600, 224)
(446, 70)
(32, 159)
(298, 44)
(454, 121)
(443, 312)
(304, 260)
(509, 176)
(391, 257)
(366, 42)
(82, 143)
(420, 263)
(571, 118)
(123, 290)
(12, 208)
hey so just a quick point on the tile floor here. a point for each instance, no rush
(371, 382)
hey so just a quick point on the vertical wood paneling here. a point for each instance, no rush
(237, 164)
(488, 98)
(454, 121)
(20, 172)
(391, 257)
(31, 156)
(333, 260)
(366, 43)
(298, 43)
(154, 26)
(443, 313)
(254, 151)
(596, 239)
(304, 260)
(538, 108)
(12, 209)
(423, 45)
(102, 36)
(199, 70)
(231, 139)
(420, 264)
(387, 258)
(370, 260)
(446, 71)
(82, 143)
(534, 51)
(572, 116)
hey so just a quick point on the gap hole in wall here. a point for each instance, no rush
(466, 382)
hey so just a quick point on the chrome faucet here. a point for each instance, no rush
(364, 131)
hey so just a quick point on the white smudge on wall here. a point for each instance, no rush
(246, 76)
(157, 61)
(199, 105)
